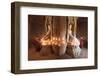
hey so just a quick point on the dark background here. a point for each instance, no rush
(36, 29)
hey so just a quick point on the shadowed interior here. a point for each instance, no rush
(36, 30)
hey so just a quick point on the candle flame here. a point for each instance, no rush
(53, 41)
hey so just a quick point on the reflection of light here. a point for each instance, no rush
(56, 38)
(59, 44)
(53, 41)
(53, 38)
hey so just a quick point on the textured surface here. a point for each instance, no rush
(46, 55)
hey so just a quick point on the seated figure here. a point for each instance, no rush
(73, 44)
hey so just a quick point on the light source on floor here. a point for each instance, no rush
(53, 41)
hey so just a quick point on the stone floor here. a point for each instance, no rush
(84, 53)
(36, 55)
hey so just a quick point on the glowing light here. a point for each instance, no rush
(54, 41)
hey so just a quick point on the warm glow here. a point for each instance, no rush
(53, 41)
(58, 41)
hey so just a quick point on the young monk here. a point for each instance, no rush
(74, 42)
